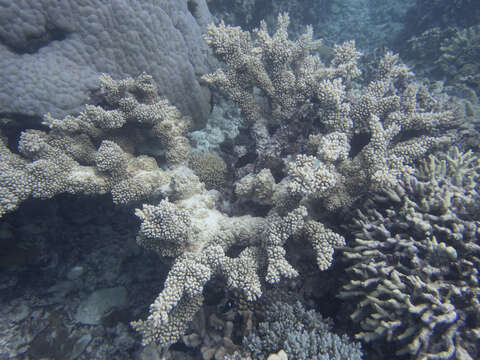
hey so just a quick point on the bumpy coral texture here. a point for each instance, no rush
(199, 242)
(298, 93)
(416, 260)
(53, 52)
(278, 84)
(302, 101)
(103, 150)
(301, 333)
(98, 151)
(210, 168)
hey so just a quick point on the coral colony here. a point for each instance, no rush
(414, 254)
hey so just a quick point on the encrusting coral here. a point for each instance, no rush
(416, 262)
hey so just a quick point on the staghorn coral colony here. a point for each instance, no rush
(321, 139)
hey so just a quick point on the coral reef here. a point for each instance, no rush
(301, 334)
(210, 168)
(321, 137)
(257, 188)
(98, 151)
(222, 127)
(460, 57)
(320, 109)
(217, 330)
(416, 260)
(304, 101)
(248, 13)
(372, 23)
(456, 52)
(427, 14)
(52, 53)
(431, 30)
(207, 237)
(426, 46)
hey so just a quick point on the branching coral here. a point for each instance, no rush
(307, 99)
(460, 56)
(300, 333)
(97, 151)
(210, 236)
(288, 96)
(300, 113)
(283, 70)
(415, 263)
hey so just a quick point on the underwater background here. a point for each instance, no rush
(239, 179)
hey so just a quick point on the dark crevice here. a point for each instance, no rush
(35, 42)
(248, 158)
(192, 7)
(358, 142)
(12, 124)
(235, 250)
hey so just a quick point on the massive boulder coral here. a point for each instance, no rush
(416, 260)
(53, 52)
(102, 150)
